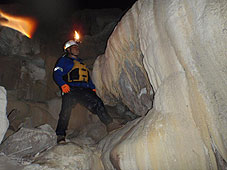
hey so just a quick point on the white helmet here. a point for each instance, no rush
(69, 44)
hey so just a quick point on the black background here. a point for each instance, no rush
(76, 4)
(50, 13)
(52, 9)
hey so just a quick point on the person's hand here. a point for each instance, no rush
(65, 88)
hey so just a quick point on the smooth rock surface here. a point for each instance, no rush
(4, 123)
(183, 49)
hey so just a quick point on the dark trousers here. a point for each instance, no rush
(85, 97)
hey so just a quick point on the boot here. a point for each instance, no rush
(60, 139)
(113, 126)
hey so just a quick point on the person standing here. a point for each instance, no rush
(72, 76)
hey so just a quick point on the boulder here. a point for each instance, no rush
(119, 74)
(4, 123)
(13, 43)
(29, 114)
(68, 156)
(27, 142)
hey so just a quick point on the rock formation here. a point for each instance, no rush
(182, 46)
(4, 123)
(166, 62)
(26, 67)
(69, 156)
(26, 143)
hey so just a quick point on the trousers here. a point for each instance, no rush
(85, 97)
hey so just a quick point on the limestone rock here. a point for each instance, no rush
(95, 131)
(111, 160)
(121, 113)
(29, 114)
(24, 77)
(182, 46)
(28, 142)
(8, 164)
(69, 156)
(119, 77)
(22, 69)
(4, 123)
(14, 43)
(119, 74)
(54, 106)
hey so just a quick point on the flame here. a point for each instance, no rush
(76, 36)
(24, 25)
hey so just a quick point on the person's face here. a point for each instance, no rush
(74, 50)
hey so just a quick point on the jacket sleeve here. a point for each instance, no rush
(59, 72)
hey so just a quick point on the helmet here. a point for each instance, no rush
(70, 43)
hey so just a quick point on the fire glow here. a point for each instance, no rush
(25, 25)
(76, 36)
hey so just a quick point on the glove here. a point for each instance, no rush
(65, 88)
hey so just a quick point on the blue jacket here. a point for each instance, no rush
(62, 67)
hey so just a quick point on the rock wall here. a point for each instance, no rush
(22, 69)
(119, 75)
(4, 123)
(183, 48)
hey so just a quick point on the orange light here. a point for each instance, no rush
(24, 25)
(76, 36)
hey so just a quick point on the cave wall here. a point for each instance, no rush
(26, 66)
(166, 61)
(119, 74)
(183, 48)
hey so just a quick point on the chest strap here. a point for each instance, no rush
(79, 73)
